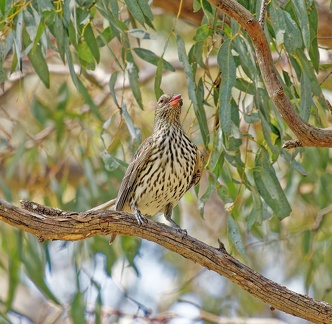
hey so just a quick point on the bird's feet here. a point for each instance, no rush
(140, 218)
(183, 232)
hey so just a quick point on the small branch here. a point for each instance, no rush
(292, 144)
(262, 13)
(307, 134)
(54, 224)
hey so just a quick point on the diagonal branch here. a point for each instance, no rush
(307, 134)
(54, 224)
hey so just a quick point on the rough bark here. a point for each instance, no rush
(53, 224)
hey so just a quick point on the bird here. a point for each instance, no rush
(165, 166)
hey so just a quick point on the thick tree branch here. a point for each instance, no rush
(53, 224)
(307, 135)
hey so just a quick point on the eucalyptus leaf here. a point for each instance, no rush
(228, 69)
(300, 8)
(234, 235)
(269, 187)
(135, 9)
(198, 106)
(152, 58)
(142, 34)
(207, 194)
(306, 100)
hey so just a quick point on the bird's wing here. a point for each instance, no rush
(135, 167)
(198, 169)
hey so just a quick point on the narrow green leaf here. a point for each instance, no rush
(134, 131)
(146, 10)
(142, 34)
(197, 5)
(300, 8)
(2, 72)
(207, 194)
(152, 58)
(235, 235)
(256, 214)
(40, 32)
(78, 83)
(77, 309)
(202, 33)
(268, 185)
(130, 246)
(60, 35)
(195, 55)
(3, 7)
(208, 9)
(45, 5)
(217, 150)
(277, 21)
(292, 37)
(135, 10)
(84, 52)
(37, 60)
(314, 50)
(228, 69)
(105, 37)
(306, 100)
(34, 268)
(157, 81)
(111, 84)
(299, 168)
(14, 265)
(134, 82)
(92, 42)
(99, 244)
(198, 107)
(314, 84)
(306, 242)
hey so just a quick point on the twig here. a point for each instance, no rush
(262, 13)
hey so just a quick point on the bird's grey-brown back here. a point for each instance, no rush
(165, 166)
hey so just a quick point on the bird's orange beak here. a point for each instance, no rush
(175, 100)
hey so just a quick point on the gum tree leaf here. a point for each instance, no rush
(207, 194)
(313, 50)
(300, 8)
(269, 187)
(152, 58)
(234, 235)
(198, 107)
(157, 81)
(92, 42)
(228, 68)
(142, 34)
(37, 59)
(135, 10)
(306, 100)
(202, 33)
(292, 38)
(111, 84)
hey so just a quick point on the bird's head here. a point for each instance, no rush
(169, 108)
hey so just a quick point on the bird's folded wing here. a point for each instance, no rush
(199, 166)
(135, 167)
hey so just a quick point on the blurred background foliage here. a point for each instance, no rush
(79, 82)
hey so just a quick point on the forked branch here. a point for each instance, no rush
(307, 135)
(53, 224)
